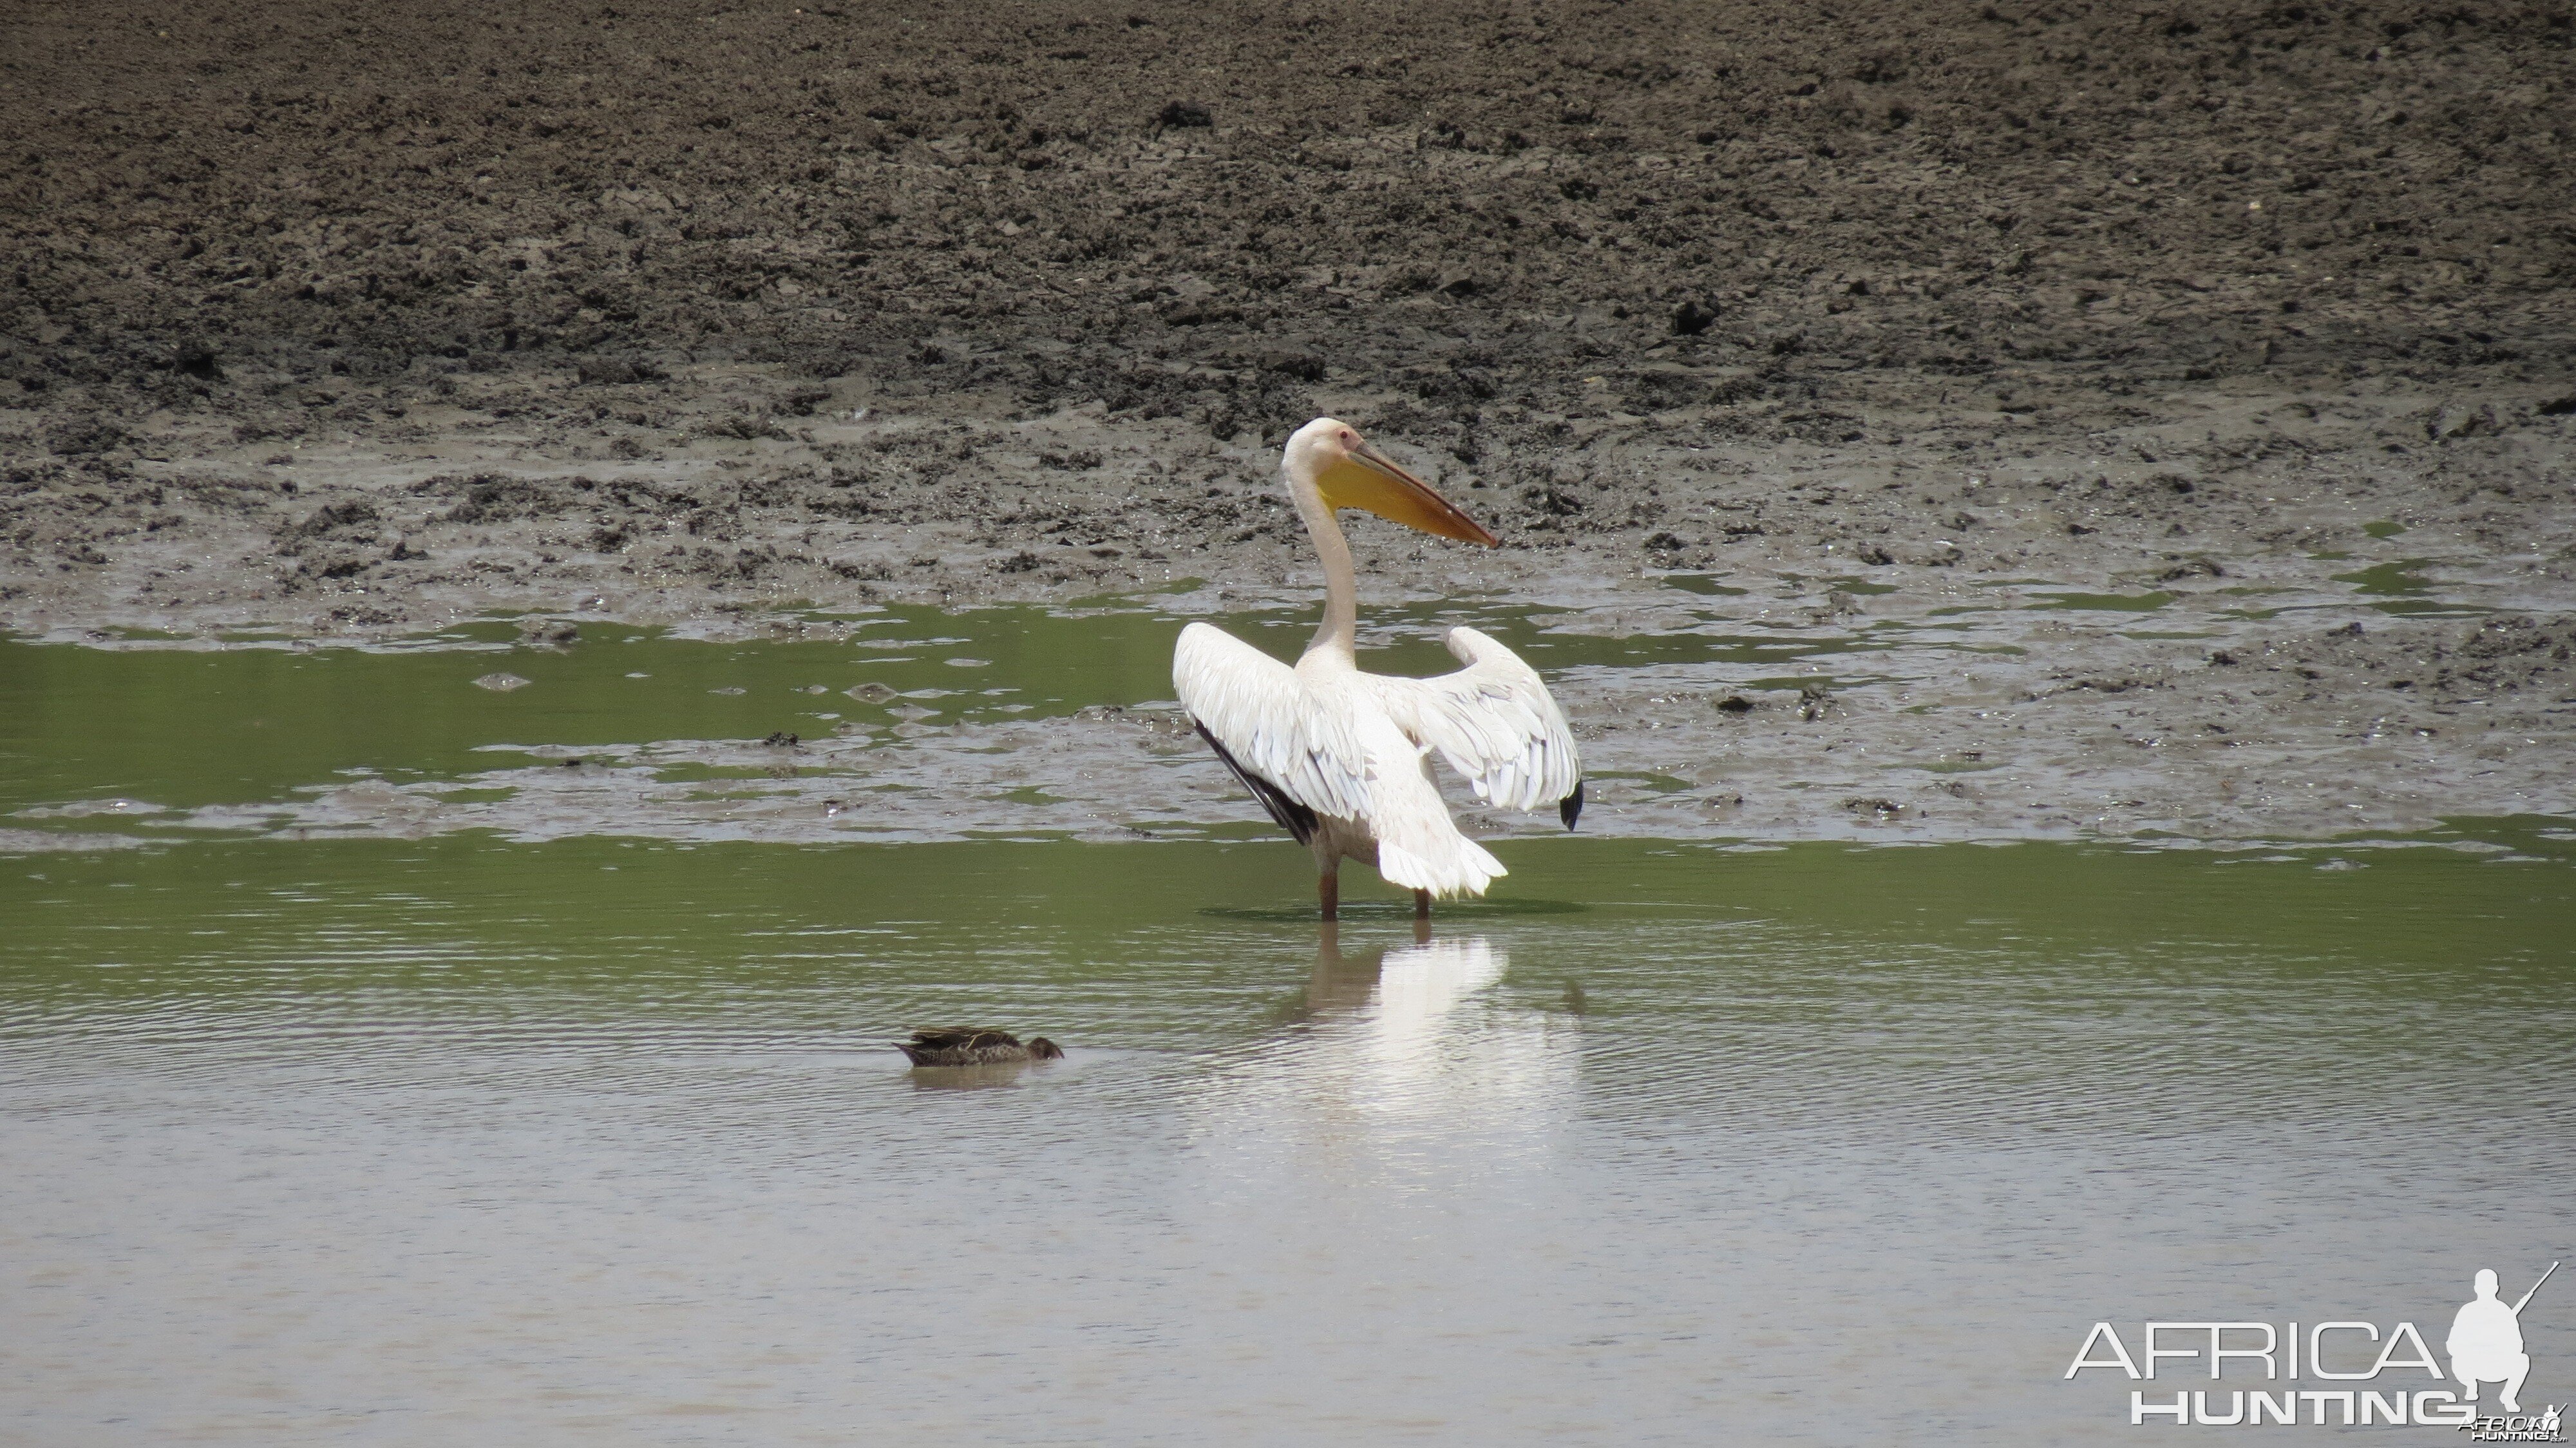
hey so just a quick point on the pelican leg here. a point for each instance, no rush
(1421, 904)
(1328, 893)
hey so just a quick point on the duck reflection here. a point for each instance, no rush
(966, 1078)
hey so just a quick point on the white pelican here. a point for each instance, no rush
(1338, 757)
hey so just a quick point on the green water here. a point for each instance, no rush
(2106, 602)
(542, 1102)
(597, 920)
(2400, 587)
(143, 737)
(450, 1141)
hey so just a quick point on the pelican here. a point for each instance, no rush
(1339, 758)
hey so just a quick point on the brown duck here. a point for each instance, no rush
(973, 1046)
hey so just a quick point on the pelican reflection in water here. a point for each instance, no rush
(1409, 1042)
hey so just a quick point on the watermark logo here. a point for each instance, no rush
(2541, 1427)
(2483, 1348)
(2486, 1340)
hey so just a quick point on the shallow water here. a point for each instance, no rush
(599, 1141)
(391, 1059)
(194, 721)
(896, 723)
(152, 737)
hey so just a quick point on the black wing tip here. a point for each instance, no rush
(1284, 812)
(1570, 808)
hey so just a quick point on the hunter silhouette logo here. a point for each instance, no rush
(2485, 1345)
(2486, 1340)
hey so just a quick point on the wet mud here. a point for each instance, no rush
(2165, 345)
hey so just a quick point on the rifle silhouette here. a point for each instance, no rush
(2526, 1297)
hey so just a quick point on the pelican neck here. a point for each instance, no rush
(1339, 633)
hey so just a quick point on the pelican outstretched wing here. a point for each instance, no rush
(1496, 725)
(1299, 758)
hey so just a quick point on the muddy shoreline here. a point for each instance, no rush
(2318, 645)
(2172, 372)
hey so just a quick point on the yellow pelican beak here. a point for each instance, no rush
(1368, 480)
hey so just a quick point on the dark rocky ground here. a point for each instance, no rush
(351, 323)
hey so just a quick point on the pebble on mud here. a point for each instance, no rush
(500, 683)
(870, 693)
(1735, 704)
(549, 631)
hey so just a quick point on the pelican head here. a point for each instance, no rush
(1333, 459)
